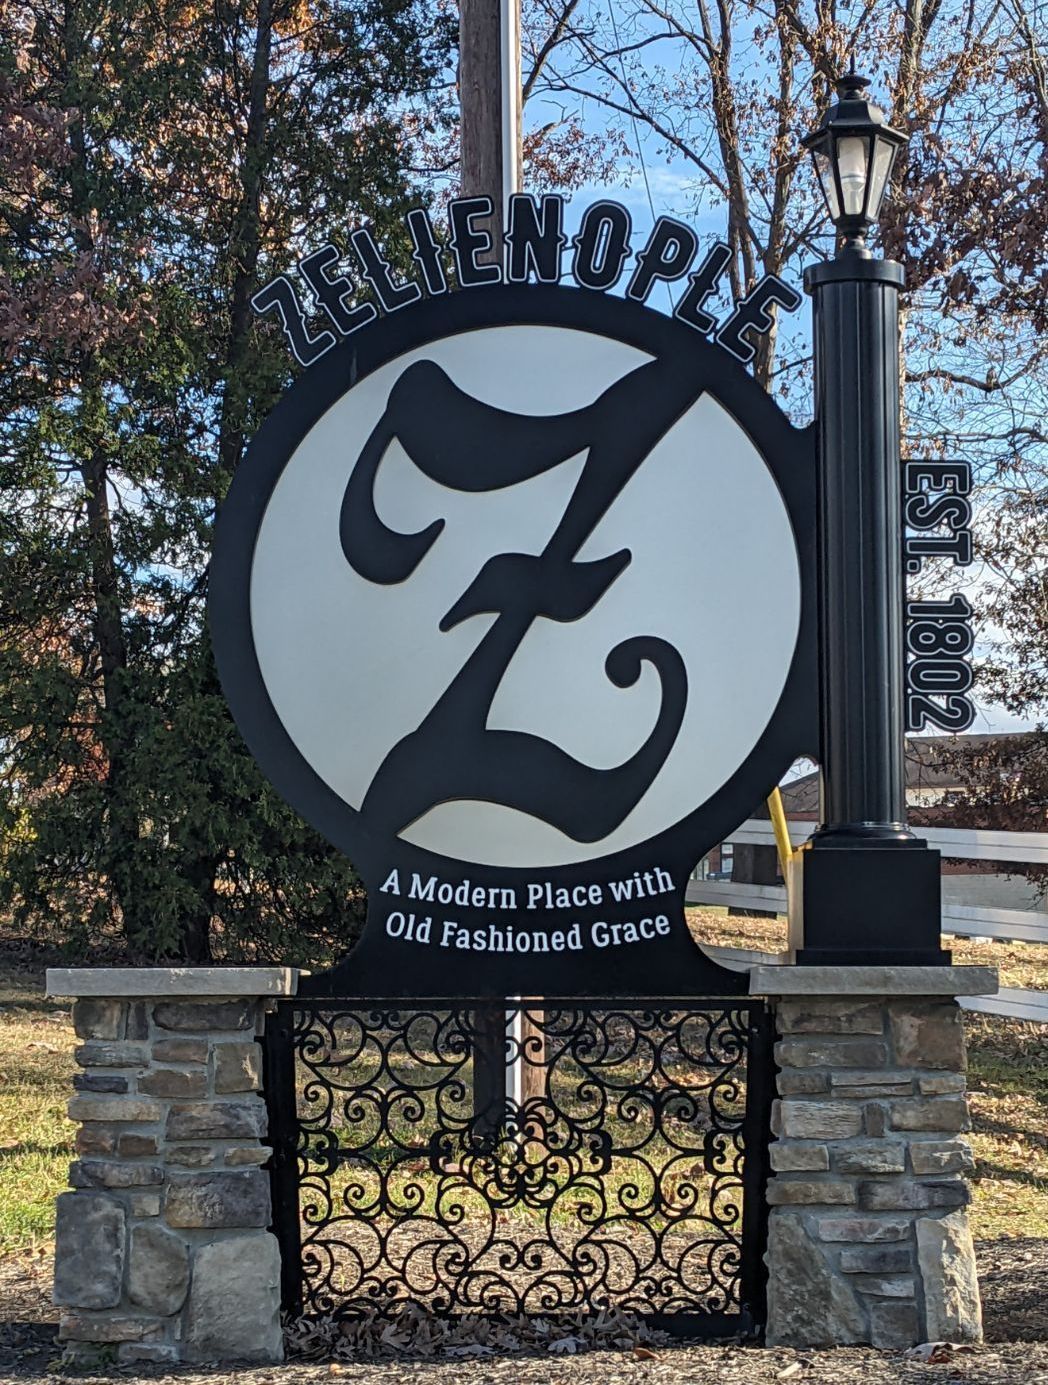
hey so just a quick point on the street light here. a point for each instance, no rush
(854, 150)
(869, 889)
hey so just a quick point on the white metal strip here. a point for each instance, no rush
(973, 843)
(511, 79)
(1011, 1004)
(1016, 925)
(738, 896)
(742, 958)
(1012, 925)
(967, 843)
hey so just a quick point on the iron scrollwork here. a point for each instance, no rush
(627, 1176)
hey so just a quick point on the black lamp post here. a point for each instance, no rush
(869, 889)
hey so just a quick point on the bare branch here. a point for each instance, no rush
(555, 36)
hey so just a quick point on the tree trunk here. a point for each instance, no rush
(244, 249)
(122, 824)
(199, 871)
(200, 867)
(480, 100)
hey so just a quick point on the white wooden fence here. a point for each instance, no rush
(969, 844)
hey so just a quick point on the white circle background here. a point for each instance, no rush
(351, 667)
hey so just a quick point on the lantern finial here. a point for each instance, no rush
(854, 151)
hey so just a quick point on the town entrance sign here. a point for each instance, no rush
(513, 600)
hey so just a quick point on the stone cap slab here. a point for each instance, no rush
(879, 981)
(167, 982)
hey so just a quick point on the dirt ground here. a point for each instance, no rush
(1013, 1274)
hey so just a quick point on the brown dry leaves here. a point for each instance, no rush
(1014, 1276)
(411, 1331)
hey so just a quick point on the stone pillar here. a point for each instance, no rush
(868, 1237)
(163, 1251)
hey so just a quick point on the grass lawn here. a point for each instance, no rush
(36, 1082)
(1008, 1082)
(1024, 965)
(1008, 1079)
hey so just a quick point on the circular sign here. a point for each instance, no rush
(510, 599)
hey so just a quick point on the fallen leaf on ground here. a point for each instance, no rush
(932, 1353)
(565, 1346)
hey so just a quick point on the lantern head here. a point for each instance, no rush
(854, 150)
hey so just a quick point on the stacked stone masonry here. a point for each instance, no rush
(868, 1229)
(163, 1252)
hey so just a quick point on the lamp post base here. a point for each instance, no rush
(867, 905)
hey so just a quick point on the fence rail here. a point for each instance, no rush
(961, 843)
(960, 920)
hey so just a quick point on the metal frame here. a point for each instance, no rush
(870, 888)
(375, 964)
(359, 1106)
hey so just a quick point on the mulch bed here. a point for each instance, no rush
(1014, 1277)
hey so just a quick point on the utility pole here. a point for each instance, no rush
(490, 154)
(489, 98)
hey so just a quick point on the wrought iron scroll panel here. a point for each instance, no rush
(632, 1177)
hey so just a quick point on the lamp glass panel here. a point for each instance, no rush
(824, 168)
(880, 172)
(852, 168)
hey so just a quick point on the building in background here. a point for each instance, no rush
(938, 785)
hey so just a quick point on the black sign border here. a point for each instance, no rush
(791, 732)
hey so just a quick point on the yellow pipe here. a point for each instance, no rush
(782, 832)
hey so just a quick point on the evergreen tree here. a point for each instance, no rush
(158, 163)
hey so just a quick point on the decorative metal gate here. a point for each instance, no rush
(631, 1177)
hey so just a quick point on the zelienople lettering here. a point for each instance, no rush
(535, 242)
(512, 597)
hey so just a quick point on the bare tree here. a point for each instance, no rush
(725, 89)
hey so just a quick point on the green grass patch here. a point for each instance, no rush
(1008, 1083)
(36, 1138)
